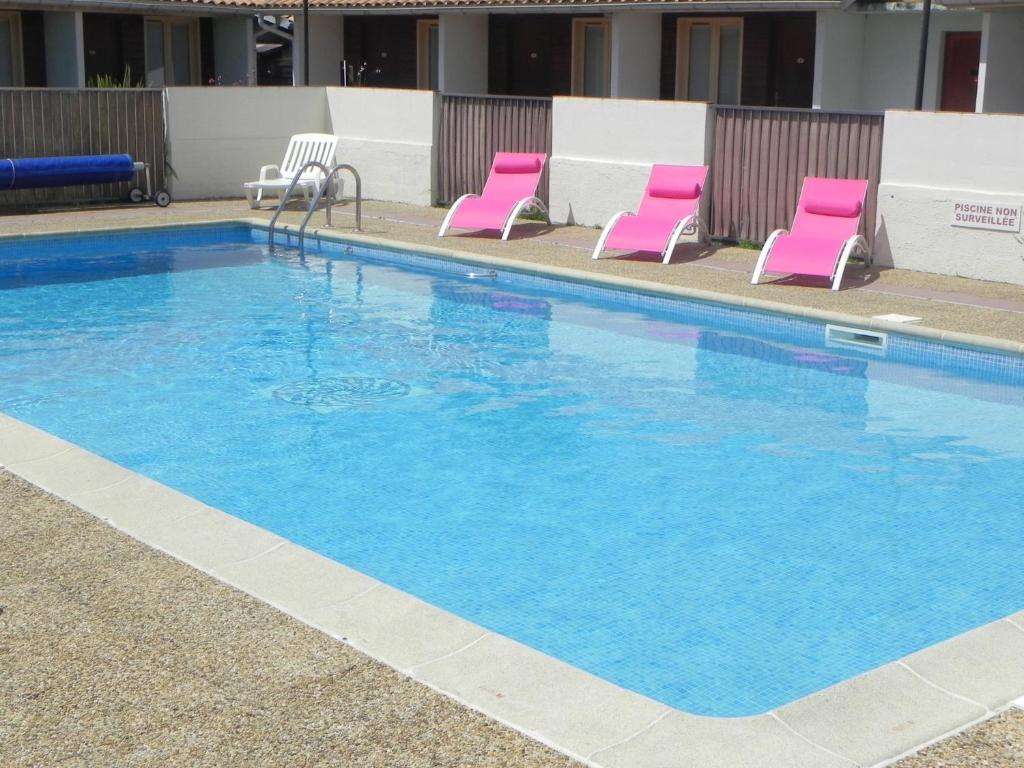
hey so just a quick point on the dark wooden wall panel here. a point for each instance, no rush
(112, 42)
(473, 128)
(762, 155)
(530, 54)
(33, 42)
(386, 45)
(48, 122)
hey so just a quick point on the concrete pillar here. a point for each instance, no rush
(65, 49)
(234, 50)
(1002, 62)
(462, 53)
(635, 55)
(326, 49)
(838, 58)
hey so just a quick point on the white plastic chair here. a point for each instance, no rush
(302, 148)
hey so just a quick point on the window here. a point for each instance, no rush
(172, 52)
(10, 50)
(708, 57)
(427, 48)
(590, 57)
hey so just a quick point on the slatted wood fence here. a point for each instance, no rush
(761, 156)
(45, 122)
(473, 128)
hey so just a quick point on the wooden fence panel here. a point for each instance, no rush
(762, 155)
(473, 128)
(58, 122)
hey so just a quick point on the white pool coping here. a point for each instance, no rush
(869, 720)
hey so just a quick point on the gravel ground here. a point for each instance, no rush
(115, 654)
(996, 743)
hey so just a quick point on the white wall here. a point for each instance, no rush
(603, 151)
(838, 60)
(234, 50)
(1001, 76)
(388, 135)
(326, 49)
(65, 50)
(889, 63)
(462, 59)
(635, 55)
(929, 160)
(218, 138)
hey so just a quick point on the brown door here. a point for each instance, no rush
(960, 59)
(794, 61)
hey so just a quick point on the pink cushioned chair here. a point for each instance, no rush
(511, 189)
(670, 209)
(825, 232)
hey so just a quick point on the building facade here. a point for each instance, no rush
(829, 54)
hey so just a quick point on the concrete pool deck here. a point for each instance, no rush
(865, 721)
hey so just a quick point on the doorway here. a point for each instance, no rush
(961, 57)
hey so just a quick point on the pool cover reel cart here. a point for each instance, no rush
(34, 172)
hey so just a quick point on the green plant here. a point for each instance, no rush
(109, 81)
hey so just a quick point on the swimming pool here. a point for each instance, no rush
(698, 503)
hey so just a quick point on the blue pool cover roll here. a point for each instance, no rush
(32, 172)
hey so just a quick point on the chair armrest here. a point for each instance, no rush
(268, 172)
(607, 231)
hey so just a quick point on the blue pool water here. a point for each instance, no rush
(706, 506)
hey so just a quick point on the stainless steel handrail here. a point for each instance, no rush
(330, 200)
(328, 175)
(291, 188)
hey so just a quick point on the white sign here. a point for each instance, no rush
(997, 216)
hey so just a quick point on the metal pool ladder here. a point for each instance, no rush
(324, 185)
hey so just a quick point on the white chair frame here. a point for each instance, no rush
(524, 205)
(850, 246)
(688, 225)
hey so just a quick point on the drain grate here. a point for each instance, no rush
(341, 392)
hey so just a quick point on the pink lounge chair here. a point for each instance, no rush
(670, 209)
(824, 233)
(511, 189)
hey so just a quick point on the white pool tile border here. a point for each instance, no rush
(986, 343)
(870, 720)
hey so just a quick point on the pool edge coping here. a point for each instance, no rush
(56, 466)
(576, 275)
(544, 698)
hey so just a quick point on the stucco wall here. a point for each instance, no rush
(218, 138)
(891, 42)
(868, 61)
(635, 55)
(603, 151)
(326, 49)
(388, 135)
(65, 49)
(462, 57)
(234, 51)
(928, 162)
(1001, 75)
(838, 60)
